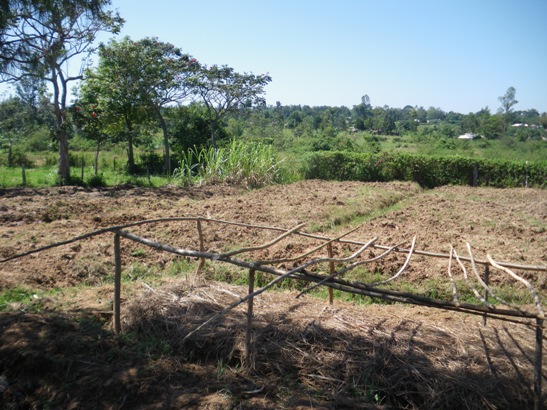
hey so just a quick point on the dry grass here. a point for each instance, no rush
(344, 354)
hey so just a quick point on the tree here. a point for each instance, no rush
(223, 91)
(164, 78)
(13, 121)
(138, 79)
(188, 125)
(90, 121)
(507, 102)
(111, 87)
(39, 38)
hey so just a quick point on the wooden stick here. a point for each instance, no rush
(538, 365)
(353, 287)
(117, 283)
(522, 280)
(248, 342)
(469, 284)
(486, 278)
(201, 246)
(487, 290)
(303, 255)
(158, 220)
(402, 267)
(23, 175)
(331, 271)
(454, 290)
(266, 245)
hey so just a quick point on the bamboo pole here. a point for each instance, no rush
(248, 363)
(117, 283)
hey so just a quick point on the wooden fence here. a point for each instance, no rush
(338, 266)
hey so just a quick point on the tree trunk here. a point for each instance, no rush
(64, 164)
(59, 100)
(96, 163)
(212, 126)
(167, 158)
(130, 154)
(10, 153)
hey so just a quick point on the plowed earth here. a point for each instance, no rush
(61, 352)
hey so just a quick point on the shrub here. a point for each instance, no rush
(428, 171)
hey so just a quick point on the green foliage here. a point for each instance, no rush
(427, 171)
(189, 127)
(224, 90)
(19, 297)
(251, 165)
(96, 181)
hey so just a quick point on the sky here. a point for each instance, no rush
(457, 55)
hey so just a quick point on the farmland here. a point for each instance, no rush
(57, 341)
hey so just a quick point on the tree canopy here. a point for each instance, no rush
(38, 38)
(223, 90)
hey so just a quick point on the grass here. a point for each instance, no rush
(251, 165)
(21, 298)
(46, 176)
(434, 288)
(368, 205)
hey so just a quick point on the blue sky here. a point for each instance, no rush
(457, 55)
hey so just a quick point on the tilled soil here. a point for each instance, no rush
(509, 224)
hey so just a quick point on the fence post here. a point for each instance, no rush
(486, 278)
(24, 174)
(331, 272)
(117, 283)
(249, 335)
(475, 175)
(201, 246)
(83, 165)
(526, 181)
(538, 405)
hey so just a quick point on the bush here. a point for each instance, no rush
(428, 171)
(96, 181)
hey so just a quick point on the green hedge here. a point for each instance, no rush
(428, 171)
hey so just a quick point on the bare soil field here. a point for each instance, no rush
(60, 351)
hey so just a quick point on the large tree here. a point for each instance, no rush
(39, 38)
(137, 77)
(507, 101)
(165, 78)
(14, 120)
(223, 90)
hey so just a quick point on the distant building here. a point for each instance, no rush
(467, 136)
